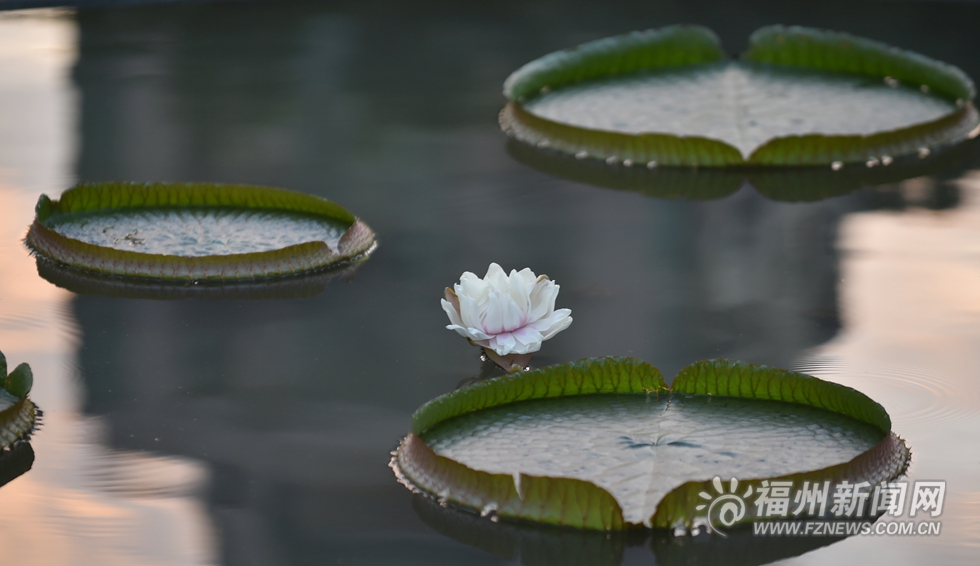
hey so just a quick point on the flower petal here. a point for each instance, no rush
(543, 297)
(469, 311)
(529, 340)
(551, 325)
(494, 313)
(503, 344)
(520, 293)
(496, 277)
(452, 312)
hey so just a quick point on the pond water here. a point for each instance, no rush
(258, 431)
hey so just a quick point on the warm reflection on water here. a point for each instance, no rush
(82, 503)
(233, 431)
(910, 294)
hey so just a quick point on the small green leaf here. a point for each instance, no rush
(43, 208)
(20, 381)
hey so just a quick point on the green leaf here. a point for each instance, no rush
(584, 377)
(3, 366)
(739, 379)
(845, 53)
(20, 381)
(103, 252)
(672, 46)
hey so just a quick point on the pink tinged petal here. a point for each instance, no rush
(477, 334)
(514, 316)
(503, 344)
(543, 298)
(545, 324)
(472, 286)
(496, 277)
(452, 298)
(492, 318)
(528, 340)
(520, 293)
(464, 332)
(469, 312)
(558, 321)
(453, 312)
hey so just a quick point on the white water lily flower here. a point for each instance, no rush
(507, 315)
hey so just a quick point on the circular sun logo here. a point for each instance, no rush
(724, 508)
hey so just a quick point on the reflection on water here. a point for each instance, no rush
(295, 287)
(533, 545)
(15, 462)
(257, 432)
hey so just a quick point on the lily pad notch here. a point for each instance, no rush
(19, 415)
(679, 47)
(569, 502)
(356, 243)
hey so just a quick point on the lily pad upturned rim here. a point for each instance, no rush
(306, 257)
(18, 422)
(677, 46)
(582, 504)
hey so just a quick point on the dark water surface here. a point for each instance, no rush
(258, 432)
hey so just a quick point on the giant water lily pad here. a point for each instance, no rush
(195, 232)
(798, 96)
(18, 414)
(604, 444)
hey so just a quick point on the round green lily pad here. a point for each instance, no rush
(604, 444)
(798, 96)
(195, 232)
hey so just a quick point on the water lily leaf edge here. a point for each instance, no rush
(356, 242)
(776, 45)
(18, 419)
(582, 504)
